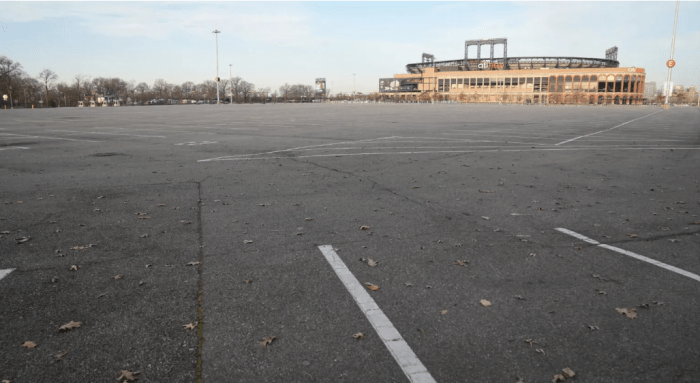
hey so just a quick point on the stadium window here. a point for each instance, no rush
(568, 84)
(529, 82)
(618, 84)
(633, 84)
(479, 82)
(454, 81)
(552, 83)
(601, 84)
(592, 86)
(560, 84)
(500, 82)
(626, 84)
(487, 82)
(459, 81)
(521, 81)
(441, 85)
(584, 83)
(472, 81)
(506, 81)
(537, 84)
(577, 83)
(610, 87)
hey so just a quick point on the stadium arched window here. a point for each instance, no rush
(584, 84)
(577, 83)
(560, 84)
(568, 84)
(617, 100)
(618, 84)
(593, 84)
(626, 84)
(610, 84)
(592, 100)
(600, 99)
(601, 84)
(552, 83)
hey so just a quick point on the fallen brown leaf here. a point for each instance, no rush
(421, 331)
(308, 219)
(632, 235)
(558, 378)
(485, 303)
(267, 340)
(118, 276)
(29, 344)
(443, 312)
(193, 263)
(69, 326)
(20, 202)
(126, 376)
(695, 223)
(73, 268)
(248, 281)
(461, 263)
(359, 336)
(371, 286)
(190, 326)
(415, 187)
(530, 341)
(60, 355)
(144, 217)
(629, 313)
(160, 205)
(364, 227)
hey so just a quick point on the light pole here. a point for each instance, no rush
(353, 87)
(670, 62)
(230, 82)
(216, 34)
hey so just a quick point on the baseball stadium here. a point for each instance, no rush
(532, 80)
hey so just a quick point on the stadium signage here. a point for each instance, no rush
(489, 65)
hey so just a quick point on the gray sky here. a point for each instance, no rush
(272, 43)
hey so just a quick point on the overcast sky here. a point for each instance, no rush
(272, 43)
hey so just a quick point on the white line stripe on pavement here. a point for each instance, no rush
(14, 147)
(49, 138)
(614, 127)
(407, 360)
(631, 254)
(3, 273)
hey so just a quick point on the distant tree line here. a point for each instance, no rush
(46, 90)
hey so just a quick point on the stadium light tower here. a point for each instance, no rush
(216, 34)
(671, 63)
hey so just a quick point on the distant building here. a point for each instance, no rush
(650, 90)
(692, 90)
(666, 89)
(678, 88)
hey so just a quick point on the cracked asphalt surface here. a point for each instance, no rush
(177, 215)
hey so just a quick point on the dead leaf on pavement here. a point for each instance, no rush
(530, 341)
(359, 336)
(308, 219)
(74, 268)
(144, 217)
(267, 340)
(695, 223)
(369, 262)
(568, 373)
(190, 326)
(461, 263)
(421, 331)
(193, 263)
(160, 205)
(443, 312)
(629, 313)
(371, 286)
(364, 227)
(60, 355)
(632, 235)
(126, 376)
(486, 218)
(558, 378)
(29, 344)
(118, 276)
(69, 326)
(592, 328)
(22, 240)
(415, 187)
(485, 303)
(247, 241)
(601, 292)
(248, 281)
(20, 202)
(140, 213)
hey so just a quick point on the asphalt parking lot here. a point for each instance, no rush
(226, 243)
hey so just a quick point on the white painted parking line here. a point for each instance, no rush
(614, 127)
(399, 349)
(14, 147)
(196, 143)
(3, 273)
(48, 138)
(631, 254)
(113, 134)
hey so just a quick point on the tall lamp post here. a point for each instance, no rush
(216, 34)
(670, 63)
(230, 82)
(353, 87)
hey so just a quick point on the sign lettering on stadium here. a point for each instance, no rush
(488, 65)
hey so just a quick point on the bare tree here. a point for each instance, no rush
(47, 77)
(236, 87)
(284, 89)
(8, 69)
(246, 89)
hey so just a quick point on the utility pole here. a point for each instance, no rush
(230, 82)
(670, 63)
(216, 34)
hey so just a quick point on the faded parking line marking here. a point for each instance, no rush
(49, 138)
(631, 254)
(14, 147)
(614, 127)
(399, 349)
(3, 273)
